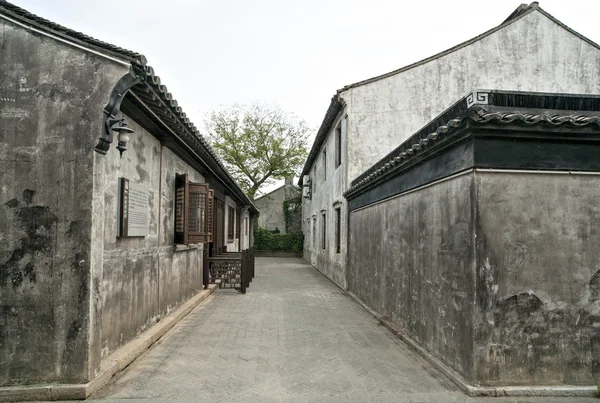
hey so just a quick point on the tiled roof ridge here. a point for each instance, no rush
(139, 65)
(173, 106)
(481, 115)
(332, 112)
(478, 114)
(167, 98)
(19, 13)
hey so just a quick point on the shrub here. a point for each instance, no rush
(266, 240)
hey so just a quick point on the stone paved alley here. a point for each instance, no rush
(294, 337)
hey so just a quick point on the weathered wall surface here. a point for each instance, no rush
(144, 277)
(411, 259)
(496, 274)
(51, 101)
(329, 186)
(538, 281)
(531, 54)
(270, 208)
(180, 269)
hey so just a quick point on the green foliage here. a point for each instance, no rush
(290, 207)
(266, 240)
(258, 143)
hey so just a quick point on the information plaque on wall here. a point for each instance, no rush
(132, 209)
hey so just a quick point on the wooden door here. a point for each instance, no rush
(219, 224)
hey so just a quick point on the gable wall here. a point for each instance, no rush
(51, 100)
(531, 54)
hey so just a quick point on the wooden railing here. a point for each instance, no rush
(229, 269)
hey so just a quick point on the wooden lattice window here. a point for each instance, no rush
(230, 223)
(193, 211)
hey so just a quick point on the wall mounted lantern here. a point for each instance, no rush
(111, 110)
(119, 126)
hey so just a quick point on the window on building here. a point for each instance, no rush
(238, 224)
(193, 211)
(314, 180)
(323, 231)
(314, 232)
(307, 232)
(338, 145)
(338, 222)
(230, 223)
(324, 165)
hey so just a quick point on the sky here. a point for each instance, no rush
(296, 54)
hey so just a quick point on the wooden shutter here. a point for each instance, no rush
(193, 211)
(181, 186)
(210, 215)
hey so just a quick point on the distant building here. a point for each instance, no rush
(96, 247)
(271, 208)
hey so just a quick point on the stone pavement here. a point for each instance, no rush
(294, 337)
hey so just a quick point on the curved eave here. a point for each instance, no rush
(151, 94)
(23, 16)
(476, 115)
(165, 111)
(335, 106)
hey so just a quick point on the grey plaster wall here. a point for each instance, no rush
(531, 54)
(180, 270)
(537, 310)
(411, 259)
(329, 185)
(495, 274)
(143, 278)
(51, 101)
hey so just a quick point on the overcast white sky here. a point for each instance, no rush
(212, 52)
(294, 53)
